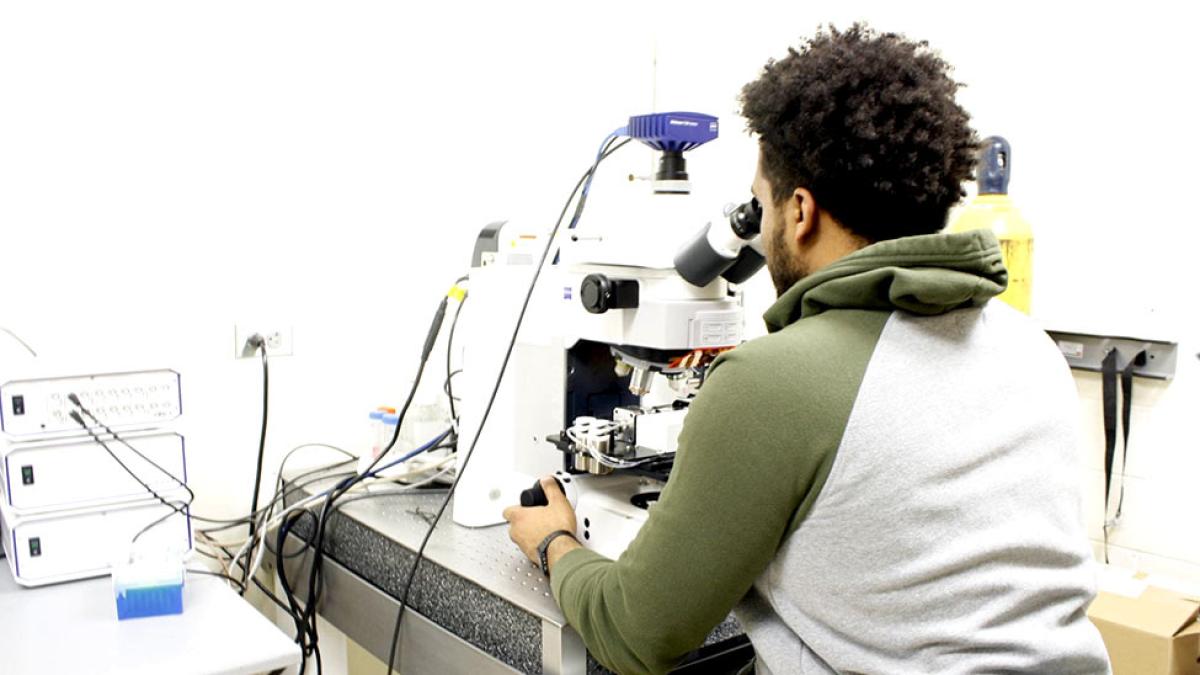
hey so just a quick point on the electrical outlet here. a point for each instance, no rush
(278, 340)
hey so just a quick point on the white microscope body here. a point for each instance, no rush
(611, 350)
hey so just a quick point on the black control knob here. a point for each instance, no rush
(599, 294)
(536, 495)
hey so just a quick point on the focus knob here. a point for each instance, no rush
(599, 294)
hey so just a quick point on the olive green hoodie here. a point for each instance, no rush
(884, 483)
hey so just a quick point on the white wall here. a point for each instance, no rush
(167, 169)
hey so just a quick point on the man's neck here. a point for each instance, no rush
(834, 242)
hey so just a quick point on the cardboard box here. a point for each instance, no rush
(1148, 630)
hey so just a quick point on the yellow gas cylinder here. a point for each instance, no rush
(993, 210)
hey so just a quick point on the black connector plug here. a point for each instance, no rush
(434, 329)
(74, 414)
(252, 345)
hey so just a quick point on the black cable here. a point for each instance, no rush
(174, 508)
(320, 469)
(605, 150)
(267, 592)
(74, 399)
(183, 484)
(304, 635)
(280, 496)
(430, 488)
(284, 555)
(228, 523)
(160, 520)
(446, 384)
(304, 631)
(244, 565)
(266, 541)
(435, 327)
(330, 506)
(237, 522)
(315, 580)
(210, 573)
(206, 554)
(261, 345)
(609, 148)
(294, 487)
(450, 351)
(390, 493)
(305, 546)
(180, 508)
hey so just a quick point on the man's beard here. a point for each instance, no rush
(785, 271)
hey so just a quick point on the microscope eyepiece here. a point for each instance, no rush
(718, 252)
(746, 220)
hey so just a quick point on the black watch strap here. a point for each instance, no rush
(545, 546)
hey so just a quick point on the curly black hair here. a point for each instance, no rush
(868, 123)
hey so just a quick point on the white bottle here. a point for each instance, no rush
(387, 431)
(371, 442)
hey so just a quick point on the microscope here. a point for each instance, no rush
(615, 343)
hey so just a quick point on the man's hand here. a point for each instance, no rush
(528, 526)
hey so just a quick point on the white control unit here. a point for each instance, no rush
(40, 408)
(68, 510)
(76, 473)
(66, 545)
(610, 510)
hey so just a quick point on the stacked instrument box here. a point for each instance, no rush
(68, 509)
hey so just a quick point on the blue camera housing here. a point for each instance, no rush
(673, 131)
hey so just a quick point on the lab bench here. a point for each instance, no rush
(477, 604)
(73, 628)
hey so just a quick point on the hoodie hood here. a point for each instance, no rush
(927, 274)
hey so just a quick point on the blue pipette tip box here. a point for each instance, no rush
(148, 585)
(140, 601)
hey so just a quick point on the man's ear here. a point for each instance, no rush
(801, 213)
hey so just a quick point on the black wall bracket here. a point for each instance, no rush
(1084, 351)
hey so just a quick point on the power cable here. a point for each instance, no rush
(607, 148)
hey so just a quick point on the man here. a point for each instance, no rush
(885, 483)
